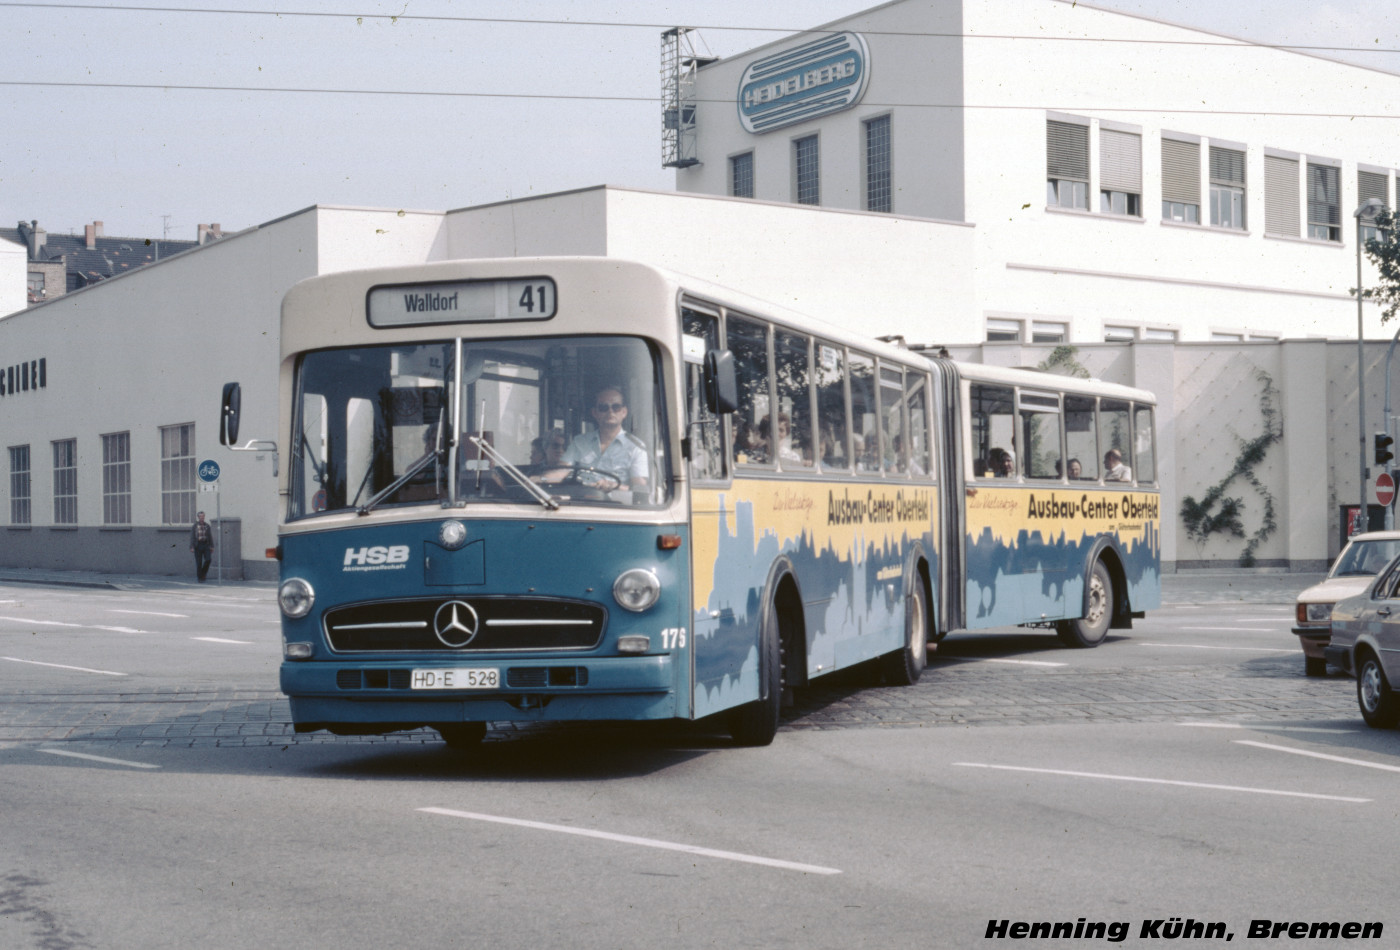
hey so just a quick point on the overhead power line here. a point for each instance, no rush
(440, 18)
(652, 100)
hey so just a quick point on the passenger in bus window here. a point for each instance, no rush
(1113, 468)
(785, 448)
(547, 455)
(749, 444)
(1001, 464)
(609, 448)
(1076, 470)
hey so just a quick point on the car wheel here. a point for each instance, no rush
(1314, 666)
(1378, 703)
(1089, 630)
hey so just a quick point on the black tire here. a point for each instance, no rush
(461, 735)
(1379, 706)
(756, 723)
(1314, 666)
(1089, 630)
(903, 666)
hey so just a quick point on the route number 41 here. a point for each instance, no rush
(673, 638)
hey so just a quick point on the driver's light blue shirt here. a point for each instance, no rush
(625, 458)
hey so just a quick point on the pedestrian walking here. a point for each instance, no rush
(201, 544)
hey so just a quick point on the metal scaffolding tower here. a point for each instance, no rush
(679, 61)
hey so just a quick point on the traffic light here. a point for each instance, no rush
(1383, 444)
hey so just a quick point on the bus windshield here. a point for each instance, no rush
(549, 421)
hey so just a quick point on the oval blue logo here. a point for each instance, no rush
(816, 79)
(208, 471)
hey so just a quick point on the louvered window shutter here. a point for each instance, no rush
(1281, 196)
(1068, 151)
(1181, 171)
(1120, 161)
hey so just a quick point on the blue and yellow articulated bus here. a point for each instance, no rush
(561, 489)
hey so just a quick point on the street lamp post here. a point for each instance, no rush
(1369, 209)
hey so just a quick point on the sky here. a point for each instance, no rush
(199, 111)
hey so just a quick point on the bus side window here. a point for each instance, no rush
(833, 429)
(1144, 455)
(705, 431)
(1081, 439)
(993, 438)
(865, 414)
(892, 420)
(1040, 435)
(749, 343)
(791, 359)
(916, 414)
(1115, 440)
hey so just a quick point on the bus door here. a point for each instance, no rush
(951, 603)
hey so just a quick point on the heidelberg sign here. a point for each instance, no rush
(818, 78)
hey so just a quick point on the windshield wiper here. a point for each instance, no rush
(396, 484)
(536, 492)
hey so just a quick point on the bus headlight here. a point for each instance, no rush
(295, 597)
(637, 589)
(452, 535)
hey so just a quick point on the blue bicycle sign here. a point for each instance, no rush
(208, 471)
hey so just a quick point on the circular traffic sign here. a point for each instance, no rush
(1385, 488)
(208, 471)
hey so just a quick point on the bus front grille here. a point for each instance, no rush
(464, 625)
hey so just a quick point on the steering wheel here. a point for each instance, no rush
(573, 478)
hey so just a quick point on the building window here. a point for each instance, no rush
(116, 478)
(1220, 336)
(1371, 185)
(741, 175)
(1003, 331)
(1120, 173)
(1158, 333)
(1042, 332)
(1113, 334)
(1324, 203)
(807, 171)
(19, 484)
(36, 283)
(1181, 181)
(1227, 188)
(878, 190)
(177, 474)
(65, 481)
(1067, 170)
(1281, 196)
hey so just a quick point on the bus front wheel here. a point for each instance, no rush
(1090, 629)
(756, 723)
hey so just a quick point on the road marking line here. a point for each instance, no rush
(221, 640)
(60, 666)
(148, 613)
(1198, 646)
(120, 629)
(1232, 629)
(99, 758)
(979, 659)
(644, 842)
(1164, 781)
(1265, 727)
(1319, 755)
(41, 623)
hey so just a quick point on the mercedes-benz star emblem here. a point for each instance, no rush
(455, 623)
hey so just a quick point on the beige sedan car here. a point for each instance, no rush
(1366, 641)
(1356, 567)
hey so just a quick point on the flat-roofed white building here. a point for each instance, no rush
(1127, 178)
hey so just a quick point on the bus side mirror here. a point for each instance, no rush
(721, 383)
(228, 415)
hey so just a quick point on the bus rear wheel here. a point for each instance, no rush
(903, 667)
(1090, 629)
(756, 723)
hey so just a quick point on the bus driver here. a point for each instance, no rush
(609, 448)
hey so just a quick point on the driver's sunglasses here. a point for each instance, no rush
(610, 407)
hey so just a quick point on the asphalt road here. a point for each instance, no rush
(154, 796)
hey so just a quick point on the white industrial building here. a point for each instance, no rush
(982, 190)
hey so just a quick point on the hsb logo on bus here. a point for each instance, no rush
(365, 557)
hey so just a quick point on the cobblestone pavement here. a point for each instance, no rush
(954, 692)
(951, 694)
